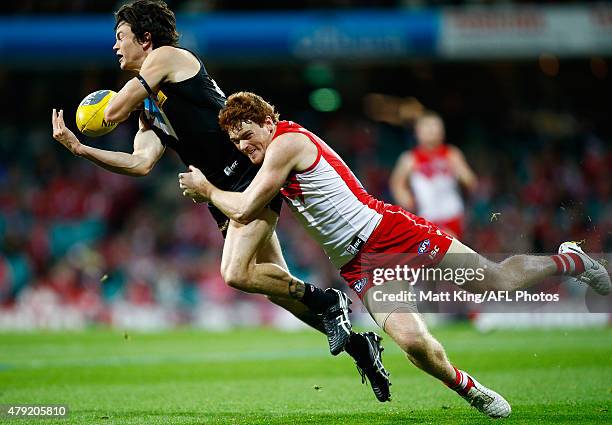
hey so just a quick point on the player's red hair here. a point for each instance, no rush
(245, 106)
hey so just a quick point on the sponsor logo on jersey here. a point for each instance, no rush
(161, 98)
(230, 169)
(356, 244)
(360, 284)
(424, 246)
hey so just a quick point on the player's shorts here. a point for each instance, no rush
(238, 185)
(401, 238)
(453, 226)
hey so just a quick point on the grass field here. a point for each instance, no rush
(270, 377)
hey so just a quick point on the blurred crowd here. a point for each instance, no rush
(104, 248)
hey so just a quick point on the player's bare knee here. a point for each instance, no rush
(226, 267)
(235, 276)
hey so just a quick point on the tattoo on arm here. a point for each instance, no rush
(296, 289)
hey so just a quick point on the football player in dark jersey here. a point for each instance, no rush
(181, 106)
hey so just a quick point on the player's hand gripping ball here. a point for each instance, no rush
(90, 114)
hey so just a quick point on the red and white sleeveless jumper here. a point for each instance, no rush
(350, 224)
(436, 189)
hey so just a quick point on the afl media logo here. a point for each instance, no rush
(424, 246)
(360, 284)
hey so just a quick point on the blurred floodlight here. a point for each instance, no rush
(319, 74)
(325, 100)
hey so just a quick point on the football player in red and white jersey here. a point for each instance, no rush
(426, 179)
(362, 234)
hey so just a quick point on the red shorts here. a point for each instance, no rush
(454, 226)
(401, 238)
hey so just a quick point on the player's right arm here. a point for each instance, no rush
(162, 64)
(400, 178)
(148, 149)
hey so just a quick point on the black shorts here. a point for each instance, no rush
(239, 185)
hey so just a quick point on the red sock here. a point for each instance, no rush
(568, 263)
(462, 383)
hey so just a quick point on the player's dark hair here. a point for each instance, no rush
(245, 106)
(152, 16)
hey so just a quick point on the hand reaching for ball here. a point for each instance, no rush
(63, 134)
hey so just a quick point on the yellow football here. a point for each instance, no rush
(90, 114)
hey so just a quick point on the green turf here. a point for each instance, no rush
(271, 377)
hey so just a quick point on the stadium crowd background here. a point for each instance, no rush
(81, 245)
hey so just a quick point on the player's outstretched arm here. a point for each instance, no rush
(392, 109)
(147, 149)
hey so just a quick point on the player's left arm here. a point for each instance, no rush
(462, 170)
(281, 158)
(154, 71)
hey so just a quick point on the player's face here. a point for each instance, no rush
(130, 53)
(430, 131)
(253, 139)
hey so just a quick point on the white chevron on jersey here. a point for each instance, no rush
(330, 202)
(437, 197)
(435, 186)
